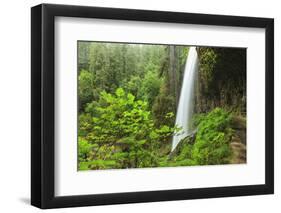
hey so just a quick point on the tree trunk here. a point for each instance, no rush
(173, 86)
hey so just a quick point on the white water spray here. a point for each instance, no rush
(185, 106)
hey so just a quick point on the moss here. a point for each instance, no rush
(222, 79)
(210, 145)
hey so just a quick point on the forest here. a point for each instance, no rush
(129, 98)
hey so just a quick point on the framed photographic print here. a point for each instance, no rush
(139, 106)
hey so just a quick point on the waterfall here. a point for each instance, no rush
(185, 106)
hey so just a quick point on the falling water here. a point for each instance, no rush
(185, 106)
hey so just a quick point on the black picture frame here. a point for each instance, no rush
(43, 102)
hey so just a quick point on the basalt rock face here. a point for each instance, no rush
(222, 83)
(221, 79)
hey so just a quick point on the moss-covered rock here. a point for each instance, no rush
(187, 141)
(220, 139)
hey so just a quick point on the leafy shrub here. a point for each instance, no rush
(212, 139)
(120, 133)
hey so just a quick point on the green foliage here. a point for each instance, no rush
(85, 90)
(134, 86)
(210, 145)
(212, 139)
(120, 132)
(84, 148)
(83, 55)
(150, 87)
(105, 67)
